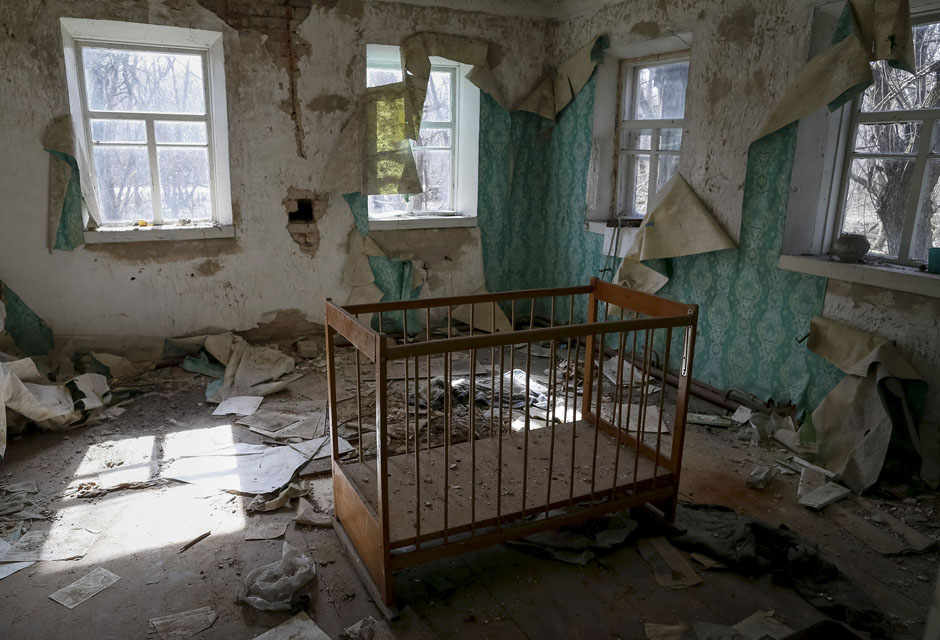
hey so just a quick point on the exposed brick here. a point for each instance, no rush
(277, 35)
(301, 227)
(253, 8)
(260, 22)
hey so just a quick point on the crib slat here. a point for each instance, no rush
(417, 451)
(574, 405)
(472, 434)
(552, 400)
(404, 324)
(662, 400)
(359, 400)
(597, 412)
(427, 325)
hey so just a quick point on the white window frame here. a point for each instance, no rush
(816, 202)
(465, 130)
(625, 167)
(78, 33)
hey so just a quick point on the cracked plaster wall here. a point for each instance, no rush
(176, 288)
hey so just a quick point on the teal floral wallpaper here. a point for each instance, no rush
(531, 207)
(752, 315)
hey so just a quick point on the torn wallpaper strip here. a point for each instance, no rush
(679, 225)
(65, 192)
(879, 404)
(868, 30)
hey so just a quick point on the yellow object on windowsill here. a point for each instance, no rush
(143, 223)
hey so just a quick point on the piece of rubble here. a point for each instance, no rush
(825, 495)
(760, 477)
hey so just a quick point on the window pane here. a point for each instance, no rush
(637, 139)
(670, 139)
(876, 199)
(184, 183)
(660, 91)
(435, 172)
(123, 175)
(897, 137)
(118, 131)
(666, 169)
(896, 90)
(180, 132)
(378, 77)
(434, 138)
(437, 104)
(637, 189)
(387, 204)
(927, 233)
(123, 80)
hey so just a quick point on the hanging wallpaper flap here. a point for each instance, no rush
(870, 30)
(555, 91)
(679, 225)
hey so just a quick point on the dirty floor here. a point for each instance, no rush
(500, 592)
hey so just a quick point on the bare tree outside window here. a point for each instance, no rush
(651, 132)
(147, 122)
(892, 195)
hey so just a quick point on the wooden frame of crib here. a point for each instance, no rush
(398, 509)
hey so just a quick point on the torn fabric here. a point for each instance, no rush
(868, 31)
(679, 225)
(556, 90)
(65, 192)
(879, 404)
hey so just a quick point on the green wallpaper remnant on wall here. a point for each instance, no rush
(392, 275)
(751, 312)
(531, 214)
(531, 200)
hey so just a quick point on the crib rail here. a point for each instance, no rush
(507, 447)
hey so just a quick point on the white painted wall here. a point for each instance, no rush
(165, 289)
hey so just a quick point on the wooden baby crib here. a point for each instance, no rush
(475, 442)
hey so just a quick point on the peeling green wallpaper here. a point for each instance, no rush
(531, 214)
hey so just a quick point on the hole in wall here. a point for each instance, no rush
(304, 212)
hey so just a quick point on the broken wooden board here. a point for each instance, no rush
(916, 541)
(881, 541)
(822, 497)
(669, 567)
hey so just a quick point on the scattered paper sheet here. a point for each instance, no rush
(260, 529)
(249, 369)
(9, 568)
(300, 627)
(179, 626)
(239, 405)
(274, 416)
(264, 472)
(58, 544)
(85, 587)
(761, 624)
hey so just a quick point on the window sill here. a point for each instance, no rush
(163, 232)
(894, 277)
(393, 223)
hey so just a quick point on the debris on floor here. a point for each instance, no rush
(657, 631)
(300, 627)
(272, 587)
(186, 624)
(579, 545)
(307, 516)
(669, 567)
(85, 587)
(762, 625)
(195, 541)
(822, 497)
(260, 529)
(60, 543)
(238, 405)
(752, 547)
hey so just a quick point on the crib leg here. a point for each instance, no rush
(382, 594)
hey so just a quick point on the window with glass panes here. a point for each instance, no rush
(146, 118)
(436, 148)
(891, 185)
(650, 132)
